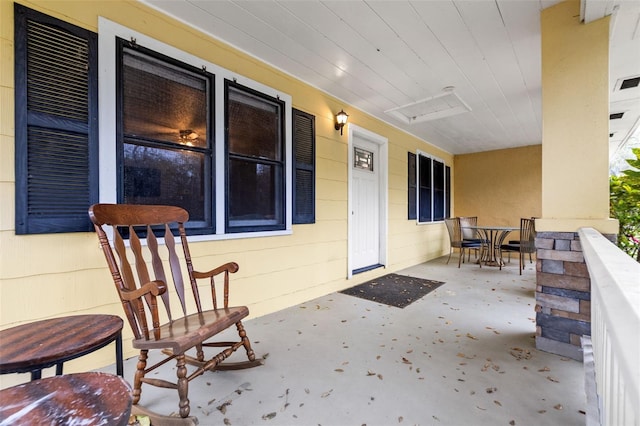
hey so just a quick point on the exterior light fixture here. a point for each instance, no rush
(341, 120)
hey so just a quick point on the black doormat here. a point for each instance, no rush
(393, 289)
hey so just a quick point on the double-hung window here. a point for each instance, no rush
(429, 192)
(165, 145)
(255, 153)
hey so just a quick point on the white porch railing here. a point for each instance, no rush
(615, 330)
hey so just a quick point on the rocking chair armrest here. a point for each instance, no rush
(231, 267)
(155, 288)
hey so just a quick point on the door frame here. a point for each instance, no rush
(383, 176)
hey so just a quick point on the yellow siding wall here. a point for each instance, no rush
(499, 186)
(44, 276)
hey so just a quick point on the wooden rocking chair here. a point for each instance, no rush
(138, 289)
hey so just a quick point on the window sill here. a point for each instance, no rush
(239, 235)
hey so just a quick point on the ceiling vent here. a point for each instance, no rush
(439, 106)
(628, 83)
(616, 116)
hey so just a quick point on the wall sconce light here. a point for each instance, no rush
(341, 120)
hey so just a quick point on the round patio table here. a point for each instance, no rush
(41, 344)
(493, 236)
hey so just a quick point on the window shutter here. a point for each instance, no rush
(304, 174)
(56, 124)
(412, 188)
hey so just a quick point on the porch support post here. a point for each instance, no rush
(575, 170)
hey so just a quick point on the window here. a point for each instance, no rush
(165, 143)
(193, 134)
(425, 189)
(429, 192)
(255, 196)
(56, 127)
(304, 174)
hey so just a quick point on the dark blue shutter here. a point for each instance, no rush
(304, 173)
(56, 107)
(412, 195)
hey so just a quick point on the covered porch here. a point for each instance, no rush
(463, 354)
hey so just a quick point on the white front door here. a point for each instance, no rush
(365, 203)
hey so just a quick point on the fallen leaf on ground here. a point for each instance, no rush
(268, 416)
(471, 336)
(223, 407)
(461, 355)
(558, 407)
(520, 353)
(497, 403)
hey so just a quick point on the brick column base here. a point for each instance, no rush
(563, 294)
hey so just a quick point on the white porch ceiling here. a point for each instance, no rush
(383, 55)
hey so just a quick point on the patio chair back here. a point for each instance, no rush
(526, 244)
(455, 237)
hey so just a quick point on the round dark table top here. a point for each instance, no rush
(42, 344)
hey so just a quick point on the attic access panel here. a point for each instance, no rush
(443, 105)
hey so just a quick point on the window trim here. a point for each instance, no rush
(107, 33)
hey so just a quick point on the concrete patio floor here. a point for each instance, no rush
(462, 355)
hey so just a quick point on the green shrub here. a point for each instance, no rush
(624, 205)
